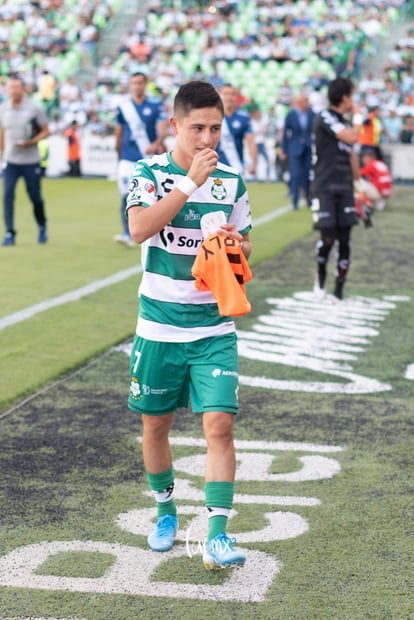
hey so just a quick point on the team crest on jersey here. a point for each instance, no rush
(218, 191)
(135, 389)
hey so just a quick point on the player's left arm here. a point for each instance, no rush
(246, 246)
(162, 131)
(43, 132)
(356, 174)
(252, 147)
(240, 220)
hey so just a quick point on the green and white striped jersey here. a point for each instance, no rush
(171, 309)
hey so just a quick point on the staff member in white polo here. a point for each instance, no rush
(23, 124)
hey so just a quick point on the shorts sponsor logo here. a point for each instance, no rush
(147, 390)
(217, 372)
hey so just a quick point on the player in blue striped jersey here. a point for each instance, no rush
(141, 127)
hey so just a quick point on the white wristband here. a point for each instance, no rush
(357, 119)
(186, 186)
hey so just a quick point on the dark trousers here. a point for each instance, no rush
(32, 175)
(323, 250)
(299, 168)
(74, 168)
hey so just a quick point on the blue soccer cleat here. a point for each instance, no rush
(162, 538)
(219, 553)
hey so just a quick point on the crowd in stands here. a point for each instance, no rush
(268, 49)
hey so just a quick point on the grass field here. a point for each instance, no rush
(83, 217)
(324, 493)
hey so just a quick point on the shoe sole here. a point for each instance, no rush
(215, 566)
(160, 550)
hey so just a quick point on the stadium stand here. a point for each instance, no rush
(268, 49)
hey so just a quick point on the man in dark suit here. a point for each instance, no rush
(297, 147)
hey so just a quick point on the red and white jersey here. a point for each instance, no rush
(377, 173)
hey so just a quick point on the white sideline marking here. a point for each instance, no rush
(409, 372)
(89, 289)
(93, 287)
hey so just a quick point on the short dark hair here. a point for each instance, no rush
(368, 150)
(139, 74)
(195, 95)
(338, 88)
(15, 76)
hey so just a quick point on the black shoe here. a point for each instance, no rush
(338, 292)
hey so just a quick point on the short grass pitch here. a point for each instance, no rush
(324, 493)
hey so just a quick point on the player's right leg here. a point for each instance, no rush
(125, 170)
(158, 466)
(158, 386)
(323, 250)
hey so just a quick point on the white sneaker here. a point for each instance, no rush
(125, 240)
(319, 293)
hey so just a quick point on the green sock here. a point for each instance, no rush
(162, 486)
(219, 500)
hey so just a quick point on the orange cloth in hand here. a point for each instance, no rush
(221, 267)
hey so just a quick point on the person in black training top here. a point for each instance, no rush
(334, 170)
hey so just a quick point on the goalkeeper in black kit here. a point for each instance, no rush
(334, 170)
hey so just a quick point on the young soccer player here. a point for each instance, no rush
(183, 347)
(335, 167)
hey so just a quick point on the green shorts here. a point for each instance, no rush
(164, 375)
